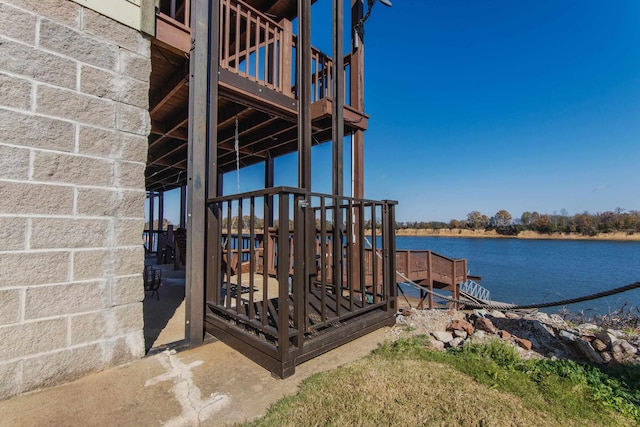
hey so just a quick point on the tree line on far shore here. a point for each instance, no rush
(618, 220)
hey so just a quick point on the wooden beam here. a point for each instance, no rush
(197, 167)
(173, 34)
(357, 98)
(180, 119)
(168, 90)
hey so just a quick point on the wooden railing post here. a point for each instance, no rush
(430, 278)
(389, 254)
(283, 276)
(286, 55)
(456, 288)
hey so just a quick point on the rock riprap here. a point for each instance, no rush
(535, 335)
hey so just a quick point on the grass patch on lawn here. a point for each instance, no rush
(404, 383)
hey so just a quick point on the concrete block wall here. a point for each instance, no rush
(74, 123)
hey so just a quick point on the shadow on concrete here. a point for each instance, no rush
(164, 316)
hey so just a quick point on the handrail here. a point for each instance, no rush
(177, 10)
(257, 47)
(254, 45)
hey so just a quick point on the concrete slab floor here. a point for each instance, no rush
(212, 385)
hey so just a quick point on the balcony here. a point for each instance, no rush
(257, 88)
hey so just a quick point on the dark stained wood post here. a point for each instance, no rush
(304, 94)
(151, 218)
(337, 134)
(201, 178)
(357, 97)
(356, 80)
(286, 54)
(268, 183)
(337, 104)
(183, 206)
(430, 278)
(159, 259)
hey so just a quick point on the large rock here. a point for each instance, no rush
(598, 345)
(461, 325)
(497, 314)
(505, 335)
(443, 336)
(524, 343)
(567, 335)
(584, 348)
(485, 324)
(460, 334)
(456, 342)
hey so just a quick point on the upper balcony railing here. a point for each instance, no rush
(258, 48)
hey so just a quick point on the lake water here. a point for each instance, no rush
(532, 271)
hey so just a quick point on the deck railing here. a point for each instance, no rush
(286, 289)
(177, 10)
(258, 48)
(255, 46)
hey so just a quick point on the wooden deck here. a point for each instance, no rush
(257, 89)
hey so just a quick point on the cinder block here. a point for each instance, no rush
(99, 142)
(40, 65)
(35, 131)
(61, 366)
(77, 45)
(115, 32)
(133, 119)
(76, 106)
(14, 162)
(17, 24)
(10, 379)
(128, 261)
(120, 203)
(130, 175)
(52, 233)
(13, 233)
(65, 12)
(26, 198)
(14, 92)
(97, 202)
(58, 300)
(33, 268)
(124, 349)
(71, 169)
(127, 290)
(92, 264)
(106, 84)
(32, 338)
(112, 144)
(134, 148)
(129, 232)
(124, 319)
(88, 327)
(132, 204)
(134, 65)
(10, 301)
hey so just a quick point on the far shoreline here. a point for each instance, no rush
(527, 235)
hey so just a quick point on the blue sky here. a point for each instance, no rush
(493, 104)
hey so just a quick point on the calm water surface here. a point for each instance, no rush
(531, 271)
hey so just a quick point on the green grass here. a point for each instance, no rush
(405, 383)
